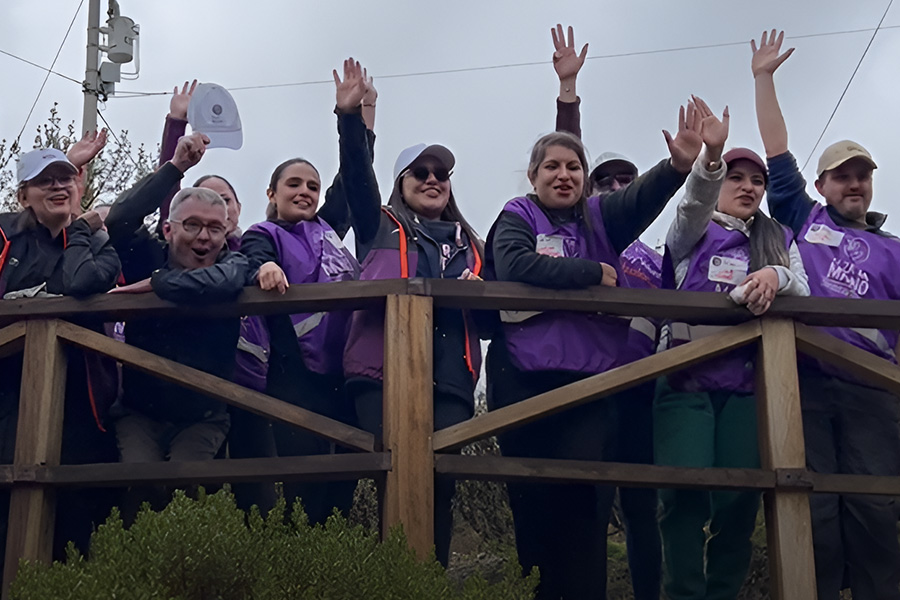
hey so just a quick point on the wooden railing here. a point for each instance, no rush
(410, 454)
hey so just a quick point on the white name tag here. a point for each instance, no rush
(727, 270)
(333, 239)
(550, 245)
(823, 234)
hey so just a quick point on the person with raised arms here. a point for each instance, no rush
(849, 427)
(641, 268)
(705, 416)
(297, 245)
(559, 237)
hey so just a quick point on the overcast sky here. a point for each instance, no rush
(489, 118)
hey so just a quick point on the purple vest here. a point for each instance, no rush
(252, 362)
(719, 262)
(560, 340)
(642, 267)
(843, 262)
(311, 252)
(364, 356)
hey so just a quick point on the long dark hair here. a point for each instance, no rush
(407, 216)
(271, 209)
(767, 243)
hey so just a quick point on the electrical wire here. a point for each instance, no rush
(115, 137)
(849, 81)
(523, 64)
(33, 64)
(47, 76)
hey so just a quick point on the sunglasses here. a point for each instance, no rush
(621, 179)
(47, 181)
(422, 173)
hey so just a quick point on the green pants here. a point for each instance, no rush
(705, 429)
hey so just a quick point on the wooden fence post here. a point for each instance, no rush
(38, 442)
(409, 420)
(788, 528)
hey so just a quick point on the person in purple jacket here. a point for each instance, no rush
(298, 245)
(848, 426)
(705, 416)
(558, 237)
(641, 267)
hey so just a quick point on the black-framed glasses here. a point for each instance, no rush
(623, 179)
(422, 173)
(46, 182)
(193, 227)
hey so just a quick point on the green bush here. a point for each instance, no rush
(207, 549)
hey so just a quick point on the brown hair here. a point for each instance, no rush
(271, 209)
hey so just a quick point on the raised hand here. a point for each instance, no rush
(685, 147)
(371, 94)
(713, 131)
(84, 150)
(566, 62)
(178, 105)
(766, 58)
(349, 92)
(189, 151)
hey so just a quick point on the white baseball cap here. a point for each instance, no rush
(612, 157)
(31, 164)
(409, 156)
(212, 111)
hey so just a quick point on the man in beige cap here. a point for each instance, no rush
(848, 426)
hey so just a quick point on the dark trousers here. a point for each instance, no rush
(561, 529)
(449, 410)
(640, 506)
(325, 395)
(251, 436)
(853, 429)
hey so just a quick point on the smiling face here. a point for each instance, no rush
(558, 179)
(848, 188)
(296, 193)
(422, 188)
(197, 249)
(742, 190)
(231, 202)
(50, 195)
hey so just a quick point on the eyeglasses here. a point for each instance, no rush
(422, 173)
(193, 228)
(47, 181)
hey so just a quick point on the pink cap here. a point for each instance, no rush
(746, 154)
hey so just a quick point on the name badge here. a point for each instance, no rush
(550, 245)
(823, 234)
(333, 239)
(727, 270)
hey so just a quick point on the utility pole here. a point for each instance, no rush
(92, 70)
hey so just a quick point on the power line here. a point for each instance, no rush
(115, 137)
(53, 64)
(847, 87)
(523, 64)
(33, 64)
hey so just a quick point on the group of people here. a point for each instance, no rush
(579, 227)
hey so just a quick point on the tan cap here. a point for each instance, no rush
(840, 152)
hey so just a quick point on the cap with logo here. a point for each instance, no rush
(840, 152)
(31, 164)
(409, 156)
(212, 111)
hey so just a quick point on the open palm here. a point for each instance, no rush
(766, 58)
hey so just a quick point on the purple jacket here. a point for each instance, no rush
(642, 267)
(394, 256)
(309, 252)
(559, 340)
(843, 262)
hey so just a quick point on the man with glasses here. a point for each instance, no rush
(157, 420)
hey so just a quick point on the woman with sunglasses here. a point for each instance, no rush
(44, 251)
(420, 233)
(297, 244)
